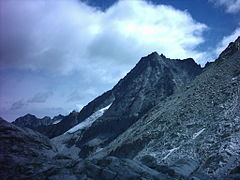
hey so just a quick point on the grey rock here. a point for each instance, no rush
(92, 170)
(232, 48)
(184, 167)
(23, 151)
(62, 177)
(151, 81)
(31, 121)
(130, 169)
(149, 161)
(202, 123)
(107, 174)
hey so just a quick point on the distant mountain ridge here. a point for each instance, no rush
(33, 122)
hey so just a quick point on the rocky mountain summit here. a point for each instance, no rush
(166, 119)
(200, 126)
(35, 123)
(153, 79)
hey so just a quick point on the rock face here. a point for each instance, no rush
(154, 78)
(22, 151)
(151, 81)
(25, 154)
(232, 48)
(35, 123)
(199, 129)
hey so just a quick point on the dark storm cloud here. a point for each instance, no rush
(17, 105)
(15, 28)
(40, 97)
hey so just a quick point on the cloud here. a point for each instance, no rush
(226, 40)
(68, 35)
(78, 95)
(78, 51)
(37, 98)
(231, 6)
(17, 105)
(40, 97)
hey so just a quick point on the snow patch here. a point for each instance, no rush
(195, 135)
(88, 122)
(98, 149)
(57, 121)
(234, 78)
(170, 152)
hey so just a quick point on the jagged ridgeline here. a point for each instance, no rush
(166, 119)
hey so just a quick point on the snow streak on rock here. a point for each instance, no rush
(88, 122)
(195, 135)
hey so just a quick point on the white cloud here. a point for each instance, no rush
(69, 45)
(226, 40)
(64, 36)
(231, 6)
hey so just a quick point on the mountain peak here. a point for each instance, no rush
(231, 49)
(162, 56)
(29, 116)
(153, 54)
(32, 121)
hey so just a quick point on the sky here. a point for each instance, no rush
(58, 55)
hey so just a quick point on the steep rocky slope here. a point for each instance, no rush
(199, 128)
(152, 80)
(27, 155)
(22, 151)
(75, 118)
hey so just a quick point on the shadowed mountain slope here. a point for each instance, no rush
(152, 80)
(200, 126)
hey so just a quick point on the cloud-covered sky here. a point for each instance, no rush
(56, 56)
(231, 6)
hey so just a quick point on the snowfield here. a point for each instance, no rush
(57, 121)
(88, 122)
